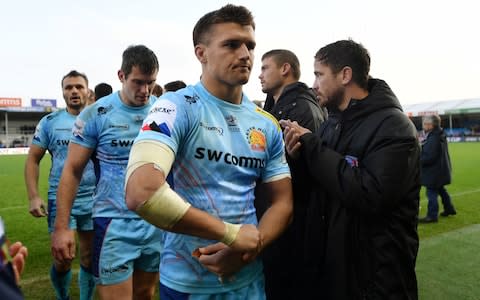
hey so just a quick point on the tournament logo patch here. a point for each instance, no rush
(36, 135)
(256, 138)
(162, 128)
(161, 117)
(78, 128)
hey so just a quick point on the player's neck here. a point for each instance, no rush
(74, 111)
(232, 94)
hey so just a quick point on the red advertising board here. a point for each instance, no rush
(10, 102)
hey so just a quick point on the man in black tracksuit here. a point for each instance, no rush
(287, 98)
(361, 232)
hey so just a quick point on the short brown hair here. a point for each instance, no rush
(282, 56)
(227, 14)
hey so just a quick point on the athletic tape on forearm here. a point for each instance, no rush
(164, 209)
(231, 232)
(148, 152)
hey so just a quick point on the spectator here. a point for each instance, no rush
(360, 236)
(287, 98)
(436, 169)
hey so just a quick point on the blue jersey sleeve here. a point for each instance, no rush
(41, 137)
(85, 132)
(166, 122)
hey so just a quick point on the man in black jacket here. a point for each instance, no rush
(362, 232)
(436, 169)
(287, 98)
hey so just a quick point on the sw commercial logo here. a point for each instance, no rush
(229, 158)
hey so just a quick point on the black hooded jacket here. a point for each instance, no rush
(361, 236)
(435, 160)
(296, 103)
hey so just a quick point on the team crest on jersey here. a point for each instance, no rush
(256, 138)
(78, 128)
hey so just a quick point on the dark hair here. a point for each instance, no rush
(174, 86)
(227, 14)
(102, 89)
(347, 53)
(140, 56)
(74, 73)
(157, 90)
(282, 56)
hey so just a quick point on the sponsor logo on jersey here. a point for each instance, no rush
(78, 128)
(138, 119)
(191, 99)
(218, 130)
(63, 129)
(121, 143)
(229, 158)
(119, 126)
(256, 138)
(232, 123)
(103, 110)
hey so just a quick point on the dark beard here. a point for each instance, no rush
(336, 99)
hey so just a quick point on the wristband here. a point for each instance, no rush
(231, 232)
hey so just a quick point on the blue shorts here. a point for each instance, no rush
(77, 222)
(255, 290)
(122, 246)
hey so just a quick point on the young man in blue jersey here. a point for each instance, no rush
(217, 144)
(53, 133)
(126, 248)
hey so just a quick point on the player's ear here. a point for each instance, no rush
(121, 76)
(200, 53)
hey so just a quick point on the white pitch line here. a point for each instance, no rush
(33, 280)
(466, 192)
(12, 207)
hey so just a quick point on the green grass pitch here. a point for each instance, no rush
(447, 264)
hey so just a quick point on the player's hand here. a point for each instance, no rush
(38, 207)
(220, 259)
(19, 253)
(248, 240)
(292, 133)
(63, 245)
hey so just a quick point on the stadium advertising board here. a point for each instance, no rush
(10, 102)
(44, 102)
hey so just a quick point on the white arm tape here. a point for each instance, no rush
(164, 209)
(148, 152)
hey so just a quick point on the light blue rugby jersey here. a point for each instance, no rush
(221, 150)
(53, 133)
(109, 127)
